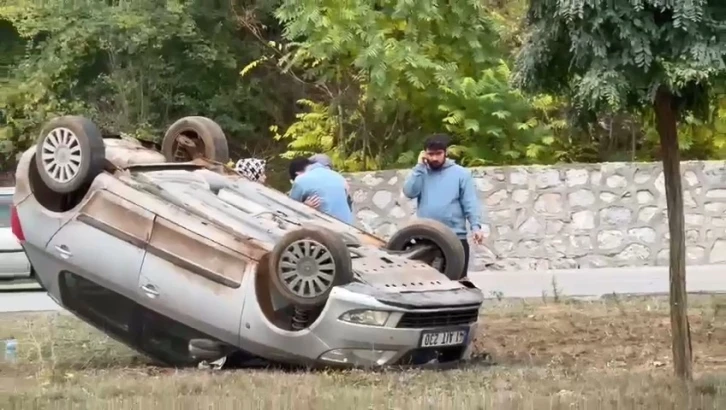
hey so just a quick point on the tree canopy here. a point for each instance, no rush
(615, 54)
(134, 67)
(392, 71)
(362, 81)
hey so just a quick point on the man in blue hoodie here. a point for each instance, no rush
(445, 192)
(325, 160)
(320, 187)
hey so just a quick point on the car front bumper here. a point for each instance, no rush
(330, 341)
(368, 345)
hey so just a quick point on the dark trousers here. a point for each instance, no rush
(465, 244)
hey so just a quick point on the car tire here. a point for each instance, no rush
(69, 153)
(208, 138)
(440, 235)
(285, 265)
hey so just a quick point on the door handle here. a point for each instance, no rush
(63, 251)
(150, 291)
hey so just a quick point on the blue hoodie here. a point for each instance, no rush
(447, 195)
(329, 186)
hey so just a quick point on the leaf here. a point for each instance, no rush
(249, 67)
(471, 125)
(501, 114)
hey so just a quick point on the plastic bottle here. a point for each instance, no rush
(11, 350)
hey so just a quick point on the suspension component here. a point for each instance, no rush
(300, 318)
(185, 149)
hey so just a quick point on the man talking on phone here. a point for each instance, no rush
(445, 192)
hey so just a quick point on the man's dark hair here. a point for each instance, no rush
(298, 165)
(437, 142)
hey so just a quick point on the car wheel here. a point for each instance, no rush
(307, 263)
(194, 137)
(439, 238)
(70, 153)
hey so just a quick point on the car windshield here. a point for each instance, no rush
(5, 201)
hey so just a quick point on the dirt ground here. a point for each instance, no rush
(597, 355)
(617, 334)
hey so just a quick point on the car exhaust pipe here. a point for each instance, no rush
(469, 284)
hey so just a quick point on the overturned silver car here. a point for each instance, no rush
(177, 256)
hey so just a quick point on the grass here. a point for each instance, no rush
(612, 354)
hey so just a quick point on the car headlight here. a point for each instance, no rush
(366, 317)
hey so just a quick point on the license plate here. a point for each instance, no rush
(443, 338)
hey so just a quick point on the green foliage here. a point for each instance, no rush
(389, 73)
(401, 46)
(508, 16)
(615, 54)
(133, 67)
(699, 137)
(366, 81)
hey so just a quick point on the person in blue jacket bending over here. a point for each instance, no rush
(320, 187)
(445, 192)
(325, 160)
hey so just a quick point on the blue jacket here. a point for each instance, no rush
(329, 186)
(447, 195)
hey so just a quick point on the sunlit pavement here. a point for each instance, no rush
(512, 284)
(27, 302)
(596, 282)
(20, 286)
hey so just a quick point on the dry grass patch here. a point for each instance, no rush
(595, 355)
(632, 334)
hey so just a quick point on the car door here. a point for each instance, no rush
(105, 242)
(192, 279)
(126, 320)
(13, 262)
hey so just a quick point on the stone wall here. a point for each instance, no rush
(598, 215)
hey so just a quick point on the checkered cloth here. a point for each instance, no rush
(251, 168)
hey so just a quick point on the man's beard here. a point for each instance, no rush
(436, 165)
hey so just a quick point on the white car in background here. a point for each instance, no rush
(15, 269)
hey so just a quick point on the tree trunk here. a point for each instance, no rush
(665, 115)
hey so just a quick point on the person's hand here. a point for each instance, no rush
(478, 237)
(422, 157)
(313, 201)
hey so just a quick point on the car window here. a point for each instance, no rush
(124, 319)
(5, 202)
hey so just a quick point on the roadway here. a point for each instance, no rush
(515, 284)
